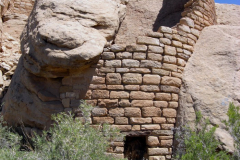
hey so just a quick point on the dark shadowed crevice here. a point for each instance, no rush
(135, 148)
(170, 14)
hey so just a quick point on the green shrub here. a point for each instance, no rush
(233, 125)
(199, 144)
(68, 139)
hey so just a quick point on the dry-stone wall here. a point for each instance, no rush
(136, 86)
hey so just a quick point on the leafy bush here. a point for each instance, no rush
(69, 138)
(199, 144)
(233, 125)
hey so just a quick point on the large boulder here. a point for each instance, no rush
(61, 38)
(211, 79)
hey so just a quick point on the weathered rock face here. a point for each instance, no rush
(61, 37)
(228, 14)
(83, 28)
(211, 79)
(14, 15)
(143, 16)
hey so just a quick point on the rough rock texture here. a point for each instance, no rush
(61, 37)
(228, 14)
(143, 15)
(14, 15)
(211, 79)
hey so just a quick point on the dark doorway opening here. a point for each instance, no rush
(135, 148)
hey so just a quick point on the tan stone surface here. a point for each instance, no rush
(210, 79)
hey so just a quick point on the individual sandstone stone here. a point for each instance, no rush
(106, 70)
(165, 41)
(136, 127)
(160, 104)
(164, 29)
(184, 28)
(169, 112)
(177, 44)
(150, 64)
(113, 63)
(188, 47)
(154, 57)
(99, 120)
(113, 78)
(100, 94)
(173, 104)
(132, 87)
(108, 55)
(136, 120)
(161, 72)
(151, 79)
(169, 67)
(166, 143)
(136, 48)
(66, 102)
(167, 126)
(157, 158)
(116, 112)
(171, 120)
(132, 78)
(119, 94)
(187, 21)
(151, 112)
(139, 56)
(124, 55)
(152, 141)
(138, 95)
(172, 81)
(150, 88)
(168, 36)
(175, 97)
(181, 62)
(122, 128)
(117, 47)
(132, 112)
(108, 103)
(169, 50)
(179, 38)
(150, 127)
(163, 96)
(121, 120)
(154, 34)
(115, 87)
(155, 49)
(142, 103)
(122, 70)
(98, 80)
(148, 40)
(159, 120)
(169, 89)
(170, 59)
(158, 151)
(99, 112)
(140, 70)
(125, 103)
(130, 63)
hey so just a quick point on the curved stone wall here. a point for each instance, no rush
(136, 86)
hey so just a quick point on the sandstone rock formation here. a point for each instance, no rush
(14, 15)
(61, 37)
(211, 79)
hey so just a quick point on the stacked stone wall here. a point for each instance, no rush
(135, 87)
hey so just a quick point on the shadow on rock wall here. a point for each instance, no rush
(170, 14)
